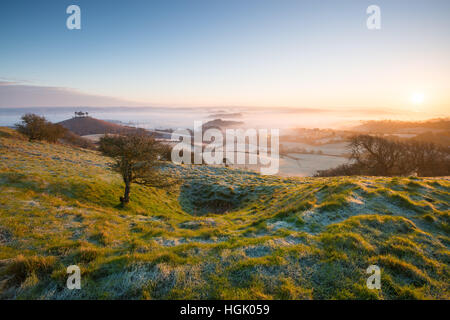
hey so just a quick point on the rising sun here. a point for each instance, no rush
(417, 98)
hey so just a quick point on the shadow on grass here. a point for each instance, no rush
(91, 191)
(201, 199)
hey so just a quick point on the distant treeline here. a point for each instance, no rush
(442, 137)
(391, 126)
(376, 156)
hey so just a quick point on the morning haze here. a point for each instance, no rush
(225, 150)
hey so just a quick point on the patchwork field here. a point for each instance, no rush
(219, 234)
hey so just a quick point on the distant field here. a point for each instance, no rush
(337, 149)
(307, 165)
(220, 234)
(93, 137)
(295, 164)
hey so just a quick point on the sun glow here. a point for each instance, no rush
(417, 98)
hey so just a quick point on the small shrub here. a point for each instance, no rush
(38, 128)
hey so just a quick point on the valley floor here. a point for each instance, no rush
(220, 234)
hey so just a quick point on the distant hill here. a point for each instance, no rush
(88, 125)
(434, 130)
(222, 124)
(393, 126)
(226, 115)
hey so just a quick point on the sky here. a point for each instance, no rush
(261, 53)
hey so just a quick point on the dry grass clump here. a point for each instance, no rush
(23, 266)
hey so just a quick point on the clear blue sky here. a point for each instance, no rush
(229, 52)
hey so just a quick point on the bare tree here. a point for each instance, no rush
(380, 156)
(136, 157)
(426, 159)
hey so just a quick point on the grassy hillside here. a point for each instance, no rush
(221, 234)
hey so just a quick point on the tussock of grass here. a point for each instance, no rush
(22, 267)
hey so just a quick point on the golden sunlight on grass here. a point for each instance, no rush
(222, 234)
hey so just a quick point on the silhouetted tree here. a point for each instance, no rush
(376, 156)
(426, 159)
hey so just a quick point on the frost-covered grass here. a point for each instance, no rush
(221, 234)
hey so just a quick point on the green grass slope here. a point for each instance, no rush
(220, 234)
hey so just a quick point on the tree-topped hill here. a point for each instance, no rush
(88, 125)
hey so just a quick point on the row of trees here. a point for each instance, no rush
(376, 156)
(81, 114)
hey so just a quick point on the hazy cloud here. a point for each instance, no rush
(18, 95)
